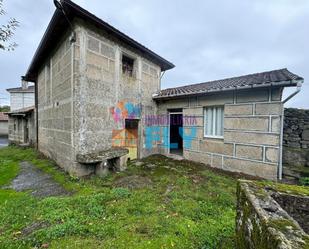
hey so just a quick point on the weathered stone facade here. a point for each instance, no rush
(84, 97)
(296, 128)
(261, 222)
(250, 143)
(296, 143)
(98, 90)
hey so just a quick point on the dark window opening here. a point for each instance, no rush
(127, 65)
(131, 123)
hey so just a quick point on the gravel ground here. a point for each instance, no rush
(39, 183)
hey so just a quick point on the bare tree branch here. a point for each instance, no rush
(7, 31)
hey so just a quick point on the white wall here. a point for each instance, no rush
(4, 128)
(21, 100)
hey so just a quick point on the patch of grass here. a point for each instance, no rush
(187, 206)
(304, 181)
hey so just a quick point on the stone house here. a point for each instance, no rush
(100, 103)
(21, 97)
(22, 125)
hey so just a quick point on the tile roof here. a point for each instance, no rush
(30, 89)
(3, 117)
(22, 111)
(271, 78)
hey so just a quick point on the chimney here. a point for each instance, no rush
(24, 84)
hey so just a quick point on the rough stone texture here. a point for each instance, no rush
(261, 223)
(246, 130)
(251, 152)
(217, 161)
(198, 157)
(101, 156)
(296, 142)
(296, 206)
(247, 123)
(257, 95)
(216, 146)
(296, 128)
(268, 108)
(272, 155)
(237, 110)
(79, 89)
(253, 138)
(255, 168)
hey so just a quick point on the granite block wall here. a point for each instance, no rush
(250, 143)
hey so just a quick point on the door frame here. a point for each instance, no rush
(169, 128)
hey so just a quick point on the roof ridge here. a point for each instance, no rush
(227, 78)
(279, 77)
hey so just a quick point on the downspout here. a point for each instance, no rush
(36, 112)
(299, 84)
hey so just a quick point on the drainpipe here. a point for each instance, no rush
(299, 84)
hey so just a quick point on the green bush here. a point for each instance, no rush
(304, 181)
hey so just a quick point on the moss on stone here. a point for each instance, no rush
(282, 225)
(264, 231)
(285, 188)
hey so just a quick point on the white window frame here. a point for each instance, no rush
(214, 127)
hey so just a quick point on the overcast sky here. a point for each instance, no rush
(206, 40)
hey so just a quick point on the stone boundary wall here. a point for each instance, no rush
(261, 223)
(296, 128)
(296, 143)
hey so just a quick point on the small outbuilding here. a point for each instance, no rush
(22, 129)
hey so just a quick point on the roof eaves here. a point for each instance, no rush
(289, 83)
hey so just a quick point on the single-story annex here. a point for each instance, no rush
(99, 103)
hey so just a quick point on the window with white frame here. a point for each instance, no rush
(213, 121)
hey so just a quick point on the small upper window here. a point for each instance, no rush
(213, 121)
(127, 65)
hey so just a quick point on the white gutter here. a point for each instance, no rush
(299, 84)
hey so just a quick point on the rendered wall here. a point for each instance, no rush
(251, 131)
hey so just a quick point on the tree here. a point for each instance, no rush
(4, 108)
(7, 31)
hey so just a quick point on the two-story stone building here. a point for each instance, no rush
(99, 103)
(22, 125)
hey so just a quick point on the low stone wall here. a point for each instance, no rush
(261, 223)
(296, 143)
